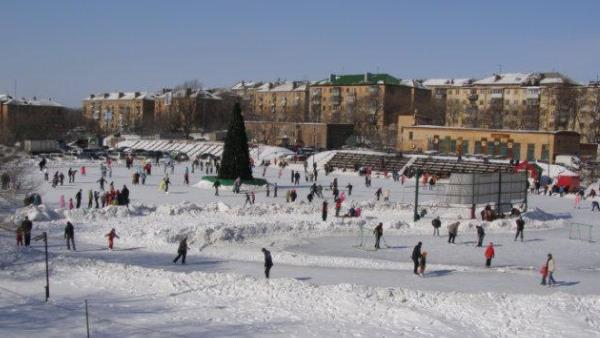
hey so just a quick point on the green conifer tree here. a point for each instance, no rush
(235, 161)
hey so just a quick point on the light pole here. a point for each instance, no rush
(44, 237)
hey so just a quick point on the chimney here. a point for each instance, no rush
(137, 94)
(270, 85)
(106, 95)
(188, 92)
(331, 77)
(294, 84)
(92, 96)
(121, 94)
(35, 98)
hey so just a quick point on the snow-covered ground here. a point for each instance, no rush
(322, 284)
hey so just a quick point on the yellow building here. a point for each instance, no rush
(318, 135)
(281, 102)
(120, 111)
(501, 143)
(505, 101)
(372, 103)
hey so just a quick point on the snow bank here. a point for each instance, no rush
(35, 213)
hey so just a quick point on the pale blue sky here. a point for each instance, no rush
(69, 49)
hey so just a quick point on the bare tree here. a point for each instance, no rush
(15, 178)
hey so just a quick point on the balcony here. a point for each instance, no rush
(336, 99)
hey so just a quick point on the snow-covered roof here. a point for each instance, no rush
(7, 99)
(195, 92)
(288, 86)
(412, 83)
(508, 79)
(241, 85)
(448, 82)
(121, 96)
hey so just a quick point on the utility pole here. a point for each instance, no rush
(44, 237)
(416, 212)
(87, 319)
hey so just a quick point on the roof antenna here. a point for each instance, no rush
(500, 69)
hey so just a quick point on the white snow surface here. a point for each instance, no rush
(322, 284)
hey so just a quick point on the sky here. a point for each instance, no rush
(66, 50)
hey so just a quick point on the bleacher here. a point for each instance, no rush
(347, 160)
(430, 165)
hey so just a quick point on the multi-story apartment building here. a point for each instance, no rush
(373, 103)
(187, 110)
(120, 111)
(246, 91)
(281, 102)
(29, 119)
(504, 101)
(439, 93)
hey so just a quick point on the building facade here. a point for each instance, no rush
(286, 134)
(187, 110)
(22, 119)
(370, 102)
(504, 101)
(501, 143)
(281, 102)
(120, 111)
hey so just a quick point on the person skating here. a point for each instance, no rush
(247, 201)
(544, 273)
(324, 211)
(551, 268)
(78, 199)
(27, 226)
(423, 263)
(378, 232)
(416, 255)
(111, 237)
(167, 182)
(489, 254)
(338, 206)
(437, 224)
(520, 227)
(19, 233)
(96, 197)
(90, 199)
(125, 195)
(182, 251)
(216, 185)
(378, 193)
(268, 262)
(101, 181)
(480, 234)
(453, 231)
(595, 205)
(70, 236)
(349, 187)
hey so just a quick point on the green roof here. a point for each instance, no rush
(359, 79)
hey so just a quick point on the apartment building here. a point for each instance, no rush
(505, 101)
(120, 111)
(187, 110)
(25, 118)
(281, 102)
(439, 93)
(373, 103)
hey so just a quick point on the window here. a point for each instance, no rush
(530, 152)
(477, 147)
(516, 151)
(545, 152)
(410, 135)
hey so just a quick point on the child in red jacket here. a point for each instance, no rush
(111, 236)
(489, 254)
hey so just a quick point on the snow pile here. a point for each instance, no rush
(268, 153)
(35, 213)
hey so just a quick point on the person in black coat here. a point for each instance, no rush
(70, 236)
(27, 227)
(78, 199)
(324, 211)
(268, 262)
(520, 227)
(182, 251)
(480, 235)
(125, 195)
(416, 255)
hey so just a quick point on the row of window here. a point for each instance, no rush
(448, 145)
